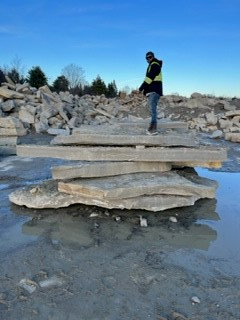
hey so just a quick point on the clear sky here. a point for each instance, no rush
(198, 40)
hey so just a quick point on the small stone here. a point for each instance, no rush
(29, 285)
(118, 219)
(34, 190)
(93, 215)
(107, 213)
(173, 219)
(51, 282)
(216, 134)
(195, 299)
(143, 222)
(178, 316)
(23, 298)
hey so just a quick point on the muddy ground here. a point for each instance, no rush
(108, 266)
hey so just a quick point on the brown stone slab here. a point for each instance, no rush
(46, 195)
(139, 184)
(152, 154)
(126, 140)
(103, 169)
(193, 164)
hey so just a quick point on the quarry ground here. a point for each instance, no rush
(108, 266)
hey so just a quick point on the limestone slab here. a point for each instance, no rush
(126, 128)
(162, 124)
(12, 131)
(10, 122)
(152, 154)
(139, 184)
(103, 169)
(109, 139)
(48, 196)
(5, 141)
(10, 94)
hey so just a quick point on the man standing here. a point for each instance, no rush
(152, 88)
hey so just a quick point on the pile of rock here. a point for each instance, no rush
(41, 110)
(122, 167)
(10, 129)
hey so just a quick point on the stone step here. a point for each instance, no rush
(8, 141)
(130, 127)
(103, 169)
(47, 195)
(152, 154)
(109, 139)
(140, 184)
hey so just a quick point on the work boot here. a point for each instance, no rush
(152, 130)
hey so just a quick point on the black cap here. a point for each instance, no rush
(149, 54)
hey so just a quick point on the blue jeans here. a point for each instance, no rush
(152, 105)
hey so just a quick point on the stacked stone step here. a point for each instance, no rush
(122, 167)
(10, 129)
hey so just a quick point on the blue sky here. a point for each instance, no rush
(198, 40)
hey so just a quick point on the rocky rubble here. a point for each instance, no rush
(40, 110)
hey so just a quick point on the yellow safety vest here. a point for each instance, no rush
(157, 78)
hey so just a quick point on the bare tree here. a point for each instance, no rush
(126, 89)
(15, 70)
(75, 75)
(16, 64)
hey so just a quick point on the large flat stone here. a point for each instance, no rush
(8, 141)
(13, 132)
(139, 184)
(48, 196)
(126, 128)
(162, 124)
(152, 154)
(103, 169)
(127, 140)
(10, 122)
(10, 94)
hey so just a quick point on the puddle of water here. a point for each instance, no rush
(211, 225)
(228, 208)
(13, 238)
(4, 186)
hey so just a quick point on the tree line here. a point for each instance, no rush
(72, 79)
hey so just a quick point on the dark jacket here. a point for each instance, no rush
(153, 79)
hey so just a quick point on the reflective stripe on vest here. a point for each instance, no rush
(157, 78)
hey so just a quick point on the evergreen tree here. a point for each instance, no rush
(98, 86)
(87, 89)
(78, 90)
(60, 84)
(112, 90)
(2, 77)
(36, 77)
(15, 76)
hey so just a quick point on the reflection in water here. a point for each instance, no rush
(66, 229)
(76, 229)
